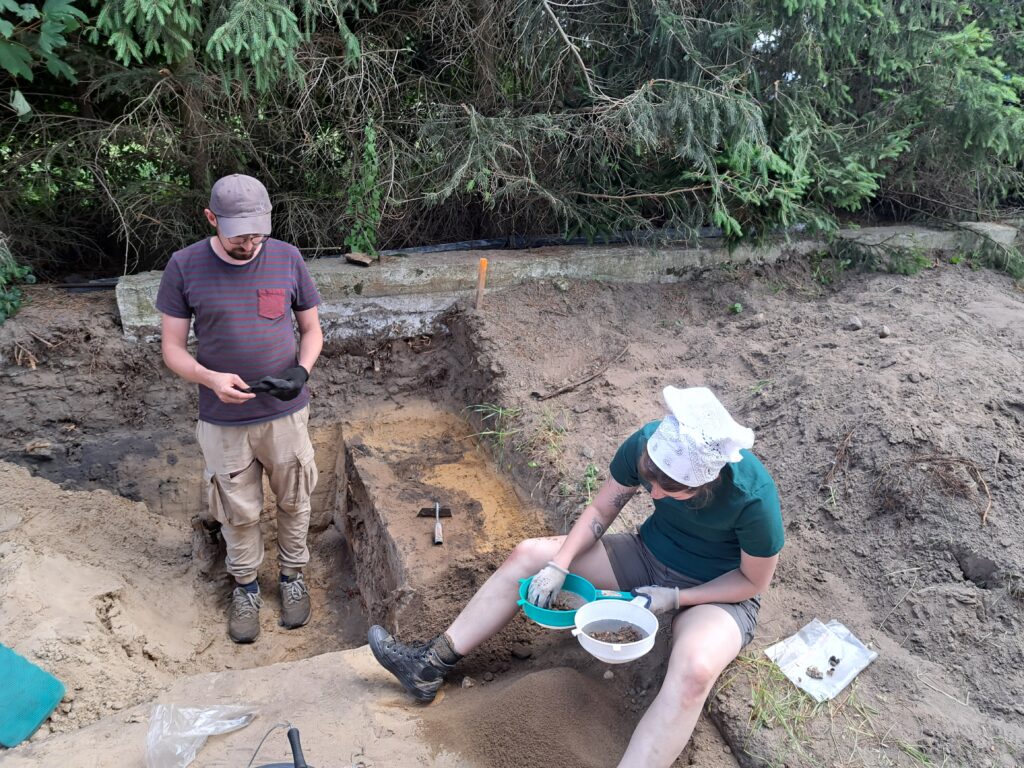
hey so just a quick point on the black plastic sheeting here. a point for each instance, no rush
(520, 242)
(100, 284)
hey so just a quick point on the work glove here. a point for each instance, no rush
(285, 386)
(663, 599)
(546, 584)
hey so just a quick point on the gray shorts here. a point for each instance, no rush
(634, 566)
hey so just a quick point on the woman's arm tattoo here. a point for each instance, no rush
(597, 526)
(620, 499)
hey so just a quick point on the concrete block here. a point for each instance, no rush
(976, 234)
(404, 295)
(904, 237)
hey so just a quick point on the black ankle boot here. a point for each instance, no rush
(419, 668)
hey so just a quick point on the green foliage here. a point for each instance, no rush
(11, 275)
(498, 425)
(825, 269)
(908, 261)
(546, 440)
(735, 308)
(364, 198)
(140, 29)
(591, 482)
(881, 257)
(581, 491)
(434, 121)
(34, 34)
(257, 36)
(244, 39)
(916, 753)
(1002, 258)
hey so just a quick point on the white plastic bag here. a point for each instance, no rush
(806, 658)
(176, 734)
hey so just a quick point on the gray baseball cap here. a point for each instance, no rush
(241, 205)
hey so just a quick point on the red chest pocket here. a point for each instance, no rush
(270, 302)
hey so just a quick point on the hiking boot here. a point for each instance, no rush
(418, 668)
(244, 615)
(295, 605)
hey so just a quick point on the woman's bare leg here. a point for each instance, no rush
(705, 639)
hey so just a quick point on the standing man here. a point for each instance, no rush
(241, 288)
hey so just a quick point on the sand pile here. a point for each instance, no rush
(552, 717)
(96, 590)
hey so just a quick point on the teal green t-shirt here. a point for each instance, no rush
(704, 542)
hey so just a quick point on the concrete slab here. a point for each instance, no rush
(905, 237)
(965, 236)
(404, 295)
(976, 233)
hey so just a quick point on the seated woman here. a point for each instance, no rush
(706, 553)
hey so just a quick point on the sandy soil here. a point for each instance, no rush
(107, 596)
(889, 448)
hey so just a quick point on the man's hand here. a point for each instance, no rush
(228, 387)
(285, 386)
(663, 599)
(546, 584)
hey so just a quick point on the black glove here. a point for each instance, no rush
(286, 386)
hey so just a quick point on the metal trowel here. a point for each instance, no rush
(436, 512)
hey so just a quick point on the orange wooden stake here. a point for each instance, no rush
(481, 280)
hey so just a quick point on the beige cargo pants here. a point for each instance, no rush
(236, 458)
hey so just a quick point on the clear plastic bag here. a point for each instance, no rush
(176, 734)
(821, 659)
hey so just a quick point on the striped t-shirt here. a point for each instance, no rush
(242, 320)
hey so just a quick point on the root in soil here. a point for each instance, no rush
(942, 467)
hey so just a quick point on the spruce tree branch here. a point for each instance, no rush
(645, 195)
(572, 49)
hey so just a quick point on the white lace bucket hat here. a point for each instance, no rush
(697, 438)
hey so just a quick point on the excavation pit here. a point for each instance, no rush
(142, 595)
(404, 457)
(84, 577)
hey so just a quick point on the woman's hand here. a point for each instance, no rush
(546, 584)
(663, 599)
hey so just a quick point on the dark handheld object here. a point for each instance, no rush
(286, 386)
(298, 761)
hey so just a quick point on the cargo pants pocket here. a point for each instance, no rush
(236, 498)
(302, 479)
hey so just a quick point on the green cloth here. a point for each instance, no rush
(705, 542)
(27, 697)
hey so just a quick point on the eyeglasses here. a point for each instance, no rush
(246, 239)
